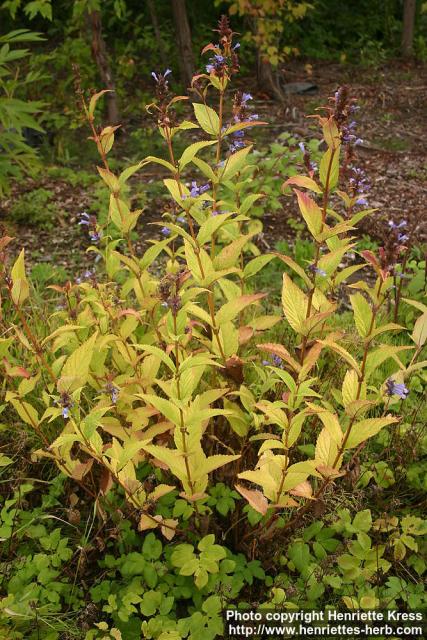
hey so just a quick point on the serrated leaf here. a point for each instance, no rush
(129, 171)
(331, 133)
(417, 304)
(365, 429)
(330, 422)
(231, 309)
(161, 161)
(171, 457)
(177, 189)
(311, 213)
(302, 181)
(326, 449)
(238, 419)
(346, 273)
(256, 264)
(229, 255)
(207, 118)
(191, 151)
(214, 462)
(20, 288)
(342, 352)
(210, 226)
(295, 267)
(149, 348)
(110, 179)
(206, 169)
(26, 412)
(94, 99)
(362, 314)
(75, 371)
(350, 387)
(329, 168)
(294, 303)
(248, 201)
(280, 351)
(166, 407)
(380, 355)
(390, 326)
(303, 490)
(419, 334)
(234, 163)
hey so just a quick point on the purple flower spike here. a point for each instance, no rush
(159, 77)
(394, 388)
(196, 190)
(165, 231)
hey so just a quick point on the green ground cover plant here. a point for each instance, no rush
(197, 444)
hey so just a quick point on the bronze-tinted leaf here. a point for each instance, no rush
(255, 498)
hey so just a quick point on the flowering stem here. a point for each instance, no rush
(196, 244)
(296, 519)
(317, 256)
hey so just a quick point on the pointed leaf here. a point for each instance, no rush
(255, 498)
(20, 288)
(302, 181)
(366, 429)
(311, 213)
(207, 118)
(294, 303)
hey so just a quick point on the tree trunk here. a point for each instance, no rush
(409, 7)
(157, 33)
(99, 53)
(183, 36)
(267, 79)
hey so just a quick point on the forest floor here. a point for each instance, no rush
(392, 122)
